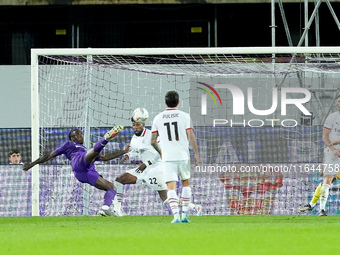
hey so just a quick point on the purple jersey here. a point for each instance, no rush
(70, 149)
(85, 172)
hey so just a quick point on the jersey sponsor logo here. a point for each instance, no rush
(337, 131)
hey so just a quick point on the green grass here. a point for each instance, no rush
(155, 235)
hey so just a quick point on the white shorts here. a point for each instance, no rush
(174, 168)
(152, 176)
(331, 164)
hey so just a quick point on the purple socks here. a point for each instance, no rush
(100, 145)
(109, 196)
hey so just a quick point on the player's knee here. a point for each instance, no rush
(186, 183)
(103, 184)
(126, 179)
(119, 179)
(328, 180)
(109, 185)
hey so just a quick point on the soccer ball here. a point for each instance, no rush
(140, 115)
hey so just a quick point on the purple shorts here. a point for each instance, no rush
(83, 171)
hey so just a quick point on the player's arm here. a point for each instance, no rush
(115, 154)
(154, 142)
(43, 159)
(143, 166)
(336, 142)
(133, 153)
(329, 144)
(192, 140)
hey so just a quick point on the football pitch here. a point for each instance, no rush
(155, 235)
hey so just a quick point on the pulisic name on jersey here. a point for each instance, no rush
(170, 115)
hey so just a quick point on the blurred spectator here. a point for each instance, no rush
(14, 157)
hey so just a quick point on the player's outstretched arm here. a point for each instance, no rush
(192, 140)
(43, 159)
(115, 154)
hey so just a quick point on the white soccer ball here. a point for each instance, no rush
(140, 115)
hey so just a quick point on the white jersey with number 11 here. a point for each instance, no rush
(172, 126)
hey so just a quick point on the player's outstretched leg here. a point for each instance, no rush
(113, 132)
(316, 196)
(92, 154)
(311, 205)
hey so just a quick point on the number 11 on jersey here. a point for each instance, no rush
(168, 128)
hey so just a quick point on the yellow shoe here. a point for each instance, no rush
(113, 132)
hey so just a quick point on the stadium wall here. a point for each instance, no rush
(15, 84)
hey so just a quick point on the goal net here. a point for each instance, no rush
(258, 115)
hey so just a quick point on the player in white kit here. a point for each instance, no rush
(331, 138)
(149, 172)
(175, 131)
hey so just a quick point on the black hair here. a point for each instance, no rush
(171, 98)
(73, 130)
(13, 151)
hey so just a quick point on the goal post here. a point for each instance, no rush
(252, 108)
(35, 131)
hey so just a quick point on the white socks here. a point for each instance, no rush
(117, 202)
(324, 192)
(186, 196)
(173, 202)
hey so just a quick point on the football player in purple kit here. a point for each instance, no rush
(82, 161)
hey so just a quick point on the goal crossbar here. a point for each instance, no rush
(187, 51)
